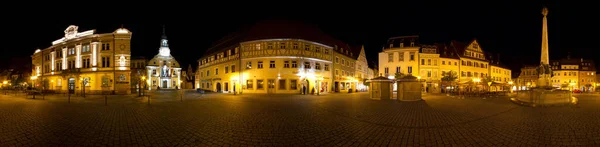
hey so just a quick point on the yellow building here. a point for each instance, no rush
(277, 57)
(574, 74)
(467, 61)
(527, 78)
(429, 68)
(85, 61)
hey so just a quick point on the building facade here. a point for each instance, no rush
(138, 73)
(278, 57)
(85, 62)
(527, 78)
(574, 74)
(404, 55)
(163, 71)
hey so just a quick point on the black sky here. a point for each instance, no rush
(511, 28)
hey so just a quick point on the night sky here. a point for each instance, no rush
(511, 28)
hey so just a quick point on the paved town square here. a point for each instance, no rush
(291, 120)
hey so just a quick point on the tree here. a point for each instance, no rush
(398, 75)
(449, 77)
(486, 80)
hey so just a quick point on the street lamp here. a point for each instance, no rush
(140, 89)
(33, 78)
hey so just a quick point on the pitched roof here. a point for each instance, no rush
(277, 29)
(460, 49)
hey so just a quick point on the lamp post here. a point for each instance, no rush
(33, 78)
(140, 89)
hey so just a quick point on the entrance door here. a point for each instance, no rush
(226, 86)
(164, 84)
(271, 86)
(218, 87)
(336, 87)
(71, 85)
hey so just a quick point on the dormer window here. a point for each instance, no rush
(401, 44)
(391, 45)
(412, 44)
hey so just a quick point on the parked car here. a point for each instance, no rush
(576, 91)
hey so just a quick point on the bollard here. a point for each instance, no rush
(105, 100)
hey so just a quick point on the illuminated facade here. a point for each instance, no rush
(468, 62)
(96, 63)
(573, 74)
(272, 57)
(163, 71)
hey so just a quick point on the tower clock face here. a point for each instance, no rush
(122, 46)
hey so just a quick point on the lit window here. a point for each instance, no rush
(306, 65)
(326, 67)
(249, 65)
(390, 57)
(318, 66)
(259, 84)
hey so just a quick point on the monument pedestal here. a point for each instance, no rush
(544, 96)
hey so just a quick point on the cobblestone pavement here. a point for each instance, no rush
(292, 120)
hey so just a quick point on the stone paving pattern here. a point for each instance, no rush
(292, 120)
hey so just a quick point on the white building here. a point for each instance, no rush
(163, 70)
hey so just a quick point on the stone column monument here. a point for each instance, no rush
(544, 71)
(544, 94)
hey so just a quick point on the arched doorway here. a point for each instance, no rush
(71, 85)
(218, 87)
(307, 87)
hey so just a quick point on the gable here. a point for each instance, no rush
(362, 56)
(474, 46)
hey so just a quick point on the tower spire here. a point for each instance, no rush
(164, 35)
(544, 58)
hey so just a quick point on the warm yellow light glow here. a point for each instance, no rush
(418, 77)
(476, 80)
(528, 83)
(143, 77)
(510, 82)
(51, 81)
(33, 77)
(5, 82)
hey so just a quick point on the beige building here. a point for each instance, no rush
(574, 74)
(468, 62)
(278, 57)
(85, 61)
(363, 72)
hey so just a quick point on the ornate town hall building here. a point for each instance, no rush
(163, 70)
(85, 62)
